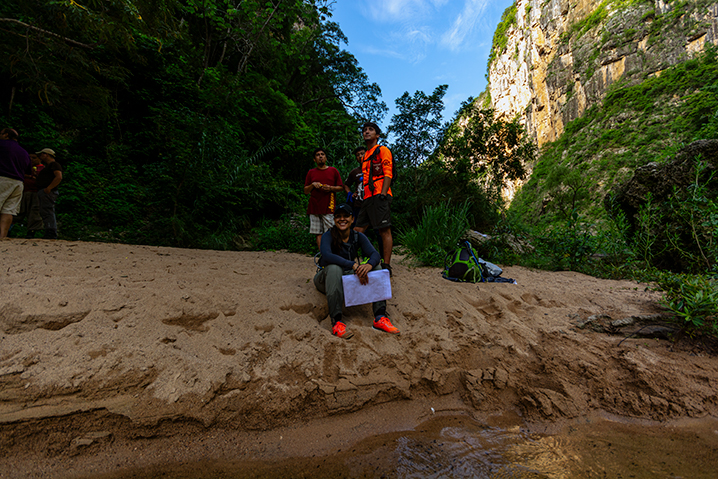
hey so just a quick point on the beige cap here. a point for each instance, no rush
(46, 150)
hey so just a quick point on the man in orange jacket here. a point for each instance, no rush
(377, 169)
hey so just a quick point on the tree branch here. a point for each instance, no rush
(320, 99)
(45, 32)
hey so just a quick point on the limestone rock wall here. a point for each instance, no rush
(563, 55)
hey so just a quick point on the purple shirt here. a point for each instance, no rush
(14, 160)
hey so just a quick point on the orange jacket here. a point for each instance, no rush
(380, 167)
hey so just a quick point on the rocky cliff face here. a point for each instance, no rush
(562, 56)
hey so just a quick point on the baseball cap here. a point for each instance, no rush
(344, 208)
(373, 125)
(46, 150)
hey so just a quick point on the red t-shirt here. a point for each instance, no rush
(322, 202)
(30, 178)
(381, 167)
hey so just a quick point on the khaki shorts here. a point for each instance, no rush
(10, 195)
(375, 213)
(318, 224)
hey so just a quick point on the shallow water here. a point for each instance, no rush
(459, 447)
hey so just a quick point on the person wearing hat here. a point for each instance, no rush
(377, 168)
(320, 184)
(339, 256)
(47, 182)
(14, 162)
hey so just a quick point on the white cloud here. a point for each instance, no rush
(403, 11)
(408, 29)
(420, 35)
(464, 24)
(399, 48)
(384, 52)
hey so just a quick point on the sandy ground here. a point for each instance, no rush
(106, 349)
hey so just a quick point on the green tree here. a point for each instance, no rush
(493, 149)
(64, 54)
(417, 126)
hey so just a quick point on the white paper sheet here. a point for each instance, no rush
(378, 288)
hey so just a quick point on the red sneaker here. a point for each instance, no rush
(340, 330)
(383, 324)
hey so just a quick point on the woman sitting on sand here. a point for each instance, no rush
(339, 249)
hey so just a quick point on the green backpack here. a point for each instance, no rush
(462, 265)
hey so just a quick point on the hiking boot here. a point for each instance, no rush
(50, 234)
(340, 330)
(383, 324)
(30, 234)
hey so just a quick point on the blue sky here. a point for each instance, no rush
(410, 45)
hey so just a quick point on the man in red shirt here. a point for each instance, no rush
(321, 184)
(377, 168)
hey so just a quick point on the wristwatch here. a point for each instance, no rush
(382, 196)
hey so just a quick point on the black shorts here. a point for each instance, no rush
(375, 213)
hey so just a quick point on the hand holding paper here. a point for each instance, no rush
(377, 288)
(362, 271)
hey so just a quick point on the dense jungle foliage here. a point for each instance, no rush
(192, 124)
(180, 122)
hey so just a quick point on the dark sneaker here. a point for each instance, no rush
(383, 324)
(341, 331)
(387, 266)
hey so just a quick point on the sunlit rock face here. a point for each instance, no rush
(562, 56)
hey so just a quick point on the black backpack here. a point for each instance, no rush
(462, 265)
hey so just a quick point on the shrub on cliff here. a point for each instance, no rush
(634, 125)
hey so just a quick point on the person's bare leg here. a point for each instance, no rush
(319, 242)
(388, 243)
(5, 223)
(359, 229)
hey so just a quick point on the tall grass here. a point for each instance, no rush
(438, 232)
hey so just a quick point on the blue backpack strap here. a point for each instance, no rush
(478, 264)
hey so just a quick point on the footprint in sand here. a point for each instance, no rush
(490, 309)
(319, 312)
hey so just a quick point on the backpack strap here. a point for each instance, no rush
(317, 259)
(479, 264)
(354, 245)
(447, 260)
(371, 178)
(471, 250)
